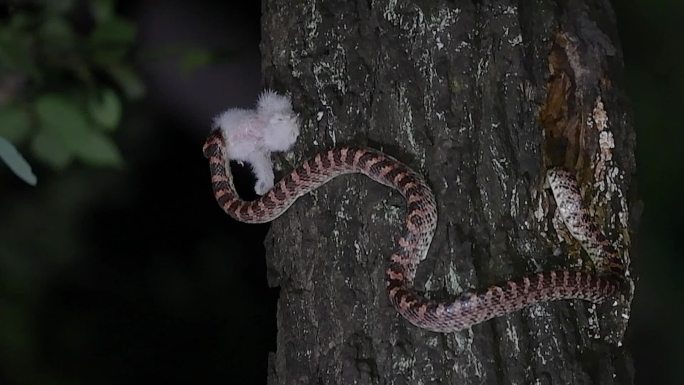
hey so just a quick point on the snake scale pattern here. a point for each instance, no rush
(470, 307)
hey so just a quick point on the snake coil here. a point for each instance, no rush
(467, 309)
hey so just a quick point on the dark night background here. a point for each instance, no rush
(111, 276)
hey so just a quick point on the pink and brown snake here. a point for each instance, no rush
(467, 309)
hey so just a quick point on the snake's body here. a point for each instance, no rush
(467, 309)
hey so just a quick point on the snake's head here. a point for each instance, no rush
(554, 175)
(213, 143)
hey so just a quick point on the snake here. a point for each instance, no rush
(420, 221)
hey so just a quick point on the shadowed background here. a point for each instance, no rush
(117, 273)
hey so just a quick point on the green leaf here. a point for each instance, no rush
(48, 147)
(16, 162)
(128, 80)
(14, 123)
(115, 31)
(105, 109)
(64, 119)
(20, 20)
(56, 34)
(16, 52)
(99, 150)
(111, 40)
(66, 134)
(59, 6)
(102, 10)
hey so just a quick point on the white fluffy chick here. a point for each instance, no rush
(252, 135)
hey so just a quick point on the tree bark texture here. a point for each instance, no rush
(481, 97)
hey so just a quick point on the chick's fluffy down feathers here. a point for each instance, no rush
(252, 135)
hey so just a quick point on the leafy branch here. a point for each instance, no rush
(65, 70)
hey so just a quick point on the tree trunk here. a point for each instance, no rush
(481, 97)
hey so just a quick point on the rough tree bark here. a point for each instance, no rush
(481, 97)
